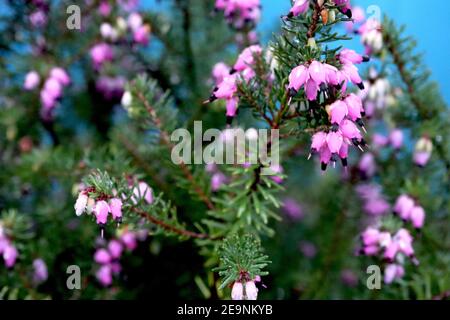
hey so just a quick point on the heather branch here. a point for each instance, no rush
(165, 139)
(169, 227)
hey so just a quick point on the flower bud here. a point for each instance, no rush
(237, 293)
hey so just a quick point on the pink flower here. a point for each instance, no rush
(246, 58)
(422, 151)
(142, 191)
(115, 249)
(298, 77)
(100, 53)
(226, 89)
(129, 240)
(128, 5)
(237, 292)
(251, 291)
(376, 207)
(338, 111)
(40, 272)
(101, 211)
(343, 154)
(60, 75)
(10, 254)
(47, 99)
(142, 35)
(379, 140)
(421, 158)
(347, 56)
(308, 249)
(32, 80)
(319, 139)
(417, 217)
(292, 209)
(277, 170)
(355, 108)
(403, 206)
(102, 256)
(367, 165)
(38, 18)
(325, 157)
(299, 7)
(349, 278)
(392, 272)
(334, 142)
(115, 205)
(311, 90)
(231, 107)
(370, 236)
(104, 275)
(220, 71)
(350, 131)
(53, 88)
(217, 180)
(240, 13)
(345, 7)
(352, 74)
(104, 8)
(403, 241)
(396, 138)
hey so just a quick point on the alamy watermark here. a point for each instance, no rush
(73, 21)
(232, 146)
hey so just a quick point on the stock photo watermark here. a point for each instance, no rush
(232, 146)
(73, 281)
(73, 21)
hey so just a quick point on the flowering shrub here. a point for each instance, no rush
(88, 123)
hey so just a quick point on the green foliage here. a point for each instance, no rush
(241, 259)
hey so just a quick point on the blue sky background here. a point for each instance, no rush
(427, 21)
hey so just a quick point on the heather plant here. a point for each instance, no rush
(352, 173)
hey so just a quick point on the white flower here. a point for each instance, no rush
(134, 21)
(80, 204)
(126, 99)
(105, 30)
(237, 293)
(251, 291)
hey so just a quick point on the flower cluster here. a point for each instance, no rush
(134, 24)
(108, 257)
(394, 140)
(245, 290)
(393, 248)
(104, 205)
(51, 91)
(315, 76)
(7, 250)
(240, 14)
(130, 30)
(334, 144)
(227, 88)
(408, 210)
